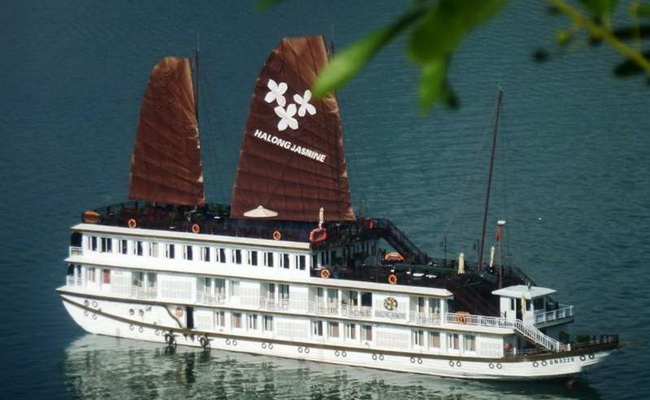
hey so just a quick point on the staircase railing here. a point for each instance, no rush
(538, 337)
(399, 241)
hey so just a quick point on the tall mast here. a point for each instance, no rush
(489, 182)
(196, 86)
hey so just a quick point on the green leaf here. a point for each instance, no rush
(432, 83)
(263, 5)
(348, 62)
(600, 7)
(443, 27)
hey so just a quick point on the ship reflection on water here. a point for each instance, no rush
(103, 367)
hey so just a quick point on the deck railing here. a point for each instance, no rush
(71, 280)
(561, 313)
(75, 251)
(147, 292)
(207, 298)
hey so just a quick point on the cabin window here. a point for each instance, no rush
(93, 243)
(170, 250)
(283, 291)
(351, 331)
(123, 246)
(220, 318)
(252, 258)
(153, 249)
(434, 340)
(538, 303)
(469, 342)
(106, 276)
(333, 329)
(366, 299)
(317, 328)
(107, 245)
(366, 333)
(268, 259)
(236, 320)
(252, 322)
(234, 288)
(267, 323)
(452, 341)
(236, 256)
(220, 287)
(302, 263)
(418, 338)
(269, 289)
(187, 253)
(137, 248)
(352, 299)
(137, 278)
(222, 256)
(434, 306)
(421, 304)
(205, 254)
(284, 261)
(90, 275)
(332, 297)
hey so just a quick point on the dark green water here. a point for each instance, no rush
(571, 180)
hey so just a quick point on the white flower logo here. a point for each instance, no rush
(276, 92)
(286, 117)
(303, 102)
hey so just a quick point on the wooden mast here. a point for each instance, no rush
(489, 182)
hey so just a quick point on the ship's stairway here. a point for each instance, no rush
(403, 245)
(533, 334)
(468, 295)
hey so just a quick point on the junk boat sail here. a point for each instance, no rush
(288, 270)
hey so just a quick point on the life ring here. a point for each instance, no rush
(178, 312)
(318, 235)
(461, 318)
(196, 228)
(132, 223)
(277, 235)
(392, 279)
(205, 342)
(325, 273)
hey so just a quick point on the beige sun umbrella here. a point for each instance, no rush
(260, 212)
(492, 257)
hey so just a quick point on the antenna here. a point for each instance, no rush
(196, 62)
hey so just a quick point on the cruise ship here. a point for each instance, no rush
(288, 269)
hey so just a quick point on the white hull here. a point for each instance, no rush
(151, 323)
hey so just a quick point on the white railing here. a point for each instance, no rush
(538, 337)
(323, 309)
(71, 280)
(555, 315)
(424, 318)
(75, 251)
(272, 304)
(207, 298)
(150, 292)
(364, 312)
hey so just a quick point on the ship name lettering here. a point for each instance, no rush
(286, 144)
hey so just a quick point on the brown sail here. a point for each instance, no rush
(292, 162)
(166, 164)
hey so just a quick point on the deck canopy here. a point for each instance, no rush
(527, 292)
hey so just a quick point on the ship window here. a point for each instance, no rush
(153, 249)
(236, 320)
(469, 342)
(137, 248)
(122, 248)
(236, 256)
(452, 341)
(205, 254)
(302, 263)
(107, 245)
(252, 258)
(252, 321)
(434, 340)
(220, 318)
(188, 253)
(90, 275)
(75, 239)
(352, 300)
(366, 299)
(351, 331)
(137, 278)
(106, 276)
(169, 250)
(366, 332)
(93, 243)
(421, 301)
(268, 259)
(267, 324)
(317, 328)
(418, 338)
(270, 290)
(283, 291)
(284, 261)
(234, 288)
(333, 329)
(222, 255)
(220, 288)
